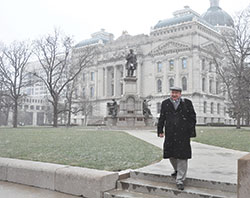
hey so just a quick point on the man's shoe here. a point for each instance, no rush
(174, 174)
(180, 186)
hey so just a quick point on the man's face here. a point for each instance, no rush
(175, 95)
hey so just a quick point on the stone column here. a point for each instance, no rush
(106, 82)
(115, 81)
(139, 77)
(34, 120)
(177, 81)
(96, 87)
(243, 190)
(102, 82)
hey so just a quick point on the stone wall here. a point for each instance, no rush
(244, 177)
(89, 183)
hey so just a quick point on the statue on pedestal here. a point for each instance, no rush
(112, 108)
(145, 108)
(131, 64)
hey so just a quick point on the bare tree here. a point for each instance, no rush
(86, 106)
(233, 67)
(54, 55)
(5, 104)
(13, 61)
(71, 91)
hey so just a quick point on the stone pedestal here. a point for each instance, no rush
(130, 113)
(130, 85)
(130, 108)
(244, 177)
(110, 121)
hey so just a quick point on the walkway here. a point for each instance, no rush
(208, 162)
(12, 190)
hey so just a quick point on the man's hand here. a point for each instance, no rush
(161, 135)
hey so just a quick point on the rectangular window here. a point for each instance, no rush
(205, 107)
(212, 108)
(83, 93)
(92, 93)
(171, 65)
(217, 87)
(83, 77)
(184, 63)
(210, 86)
(112, 90)
(203, 62)
(92, 76)
(159, 86)
(159, 67)
(218, 108)
(210, 66)
(76, 93)
(203, 84)
(121, 88)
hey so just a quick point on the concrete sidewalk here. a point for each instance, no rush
(12, 190)
(208, 162)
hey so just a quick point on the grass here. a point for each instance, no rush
(227, 137)
(105, 150)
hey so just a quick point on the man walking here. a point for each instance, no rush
(179, 119)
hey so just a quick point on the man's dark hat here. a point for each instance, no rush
(175, 89)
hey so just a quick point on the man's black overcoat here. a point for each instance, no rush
(178, 125)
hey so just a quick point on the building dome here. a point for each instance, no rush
(182, 16)
(100, 37)
(216, 16)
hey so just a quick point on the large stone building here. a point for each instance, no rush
(178, 52)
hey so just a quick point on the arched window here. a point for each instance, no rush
(203, 84)
(171, 82)
(184, 83)
(159, 86)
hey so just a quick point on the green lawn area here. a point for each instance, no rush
(105, 150)
(227, 137)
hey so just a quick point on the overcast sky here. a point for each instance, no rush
(30, 19)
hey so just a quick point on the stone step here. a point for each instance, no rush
(200, 183)
(128, 194)
(169, 189)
